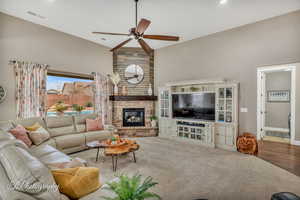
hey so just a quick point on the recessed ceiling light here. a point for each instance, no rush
(223, 2)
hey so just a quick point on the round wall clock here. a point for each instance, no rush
(134, 74)
(2, 94)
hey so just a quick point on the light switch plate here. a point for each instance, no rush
(244, 110)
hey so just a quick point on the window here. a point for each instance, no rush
(69, 94)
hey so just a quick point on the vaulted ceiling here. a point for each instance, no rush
(188, 19)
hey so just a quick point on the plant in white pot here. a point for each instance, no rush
(153, 120)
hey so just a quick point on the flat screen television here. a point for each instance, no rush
(194, 106)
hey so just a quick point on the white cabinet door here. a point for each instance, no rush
(225, 135)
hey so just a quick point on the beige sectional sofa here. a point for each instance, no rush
(68, 133)
(20, 164)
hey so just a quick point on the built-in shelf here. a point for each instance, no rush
(133, 98)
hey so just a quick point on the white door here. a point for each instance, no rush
(276, 103)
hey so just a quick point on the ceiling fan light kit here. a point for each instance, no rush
(137, 33)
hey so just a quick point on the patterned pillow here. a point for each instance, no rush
(21, 134)
(39, 136)
(94, 124)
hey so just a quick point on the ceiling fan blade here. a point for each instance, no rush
(106, 33)
(120, 45)
(142, 26)
(145, 46)
(161, 37)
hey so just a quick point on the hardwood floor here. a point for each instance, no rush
(282, 155)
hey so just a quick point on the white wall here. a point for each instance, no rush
(235, 54)
(26, 41)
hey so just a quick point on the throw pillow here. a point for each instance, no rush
(34, 127)
(77, 182)
(39, 136)
(21, 134)
(94, 124)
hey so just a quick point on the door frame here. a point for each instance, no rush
(261, 95)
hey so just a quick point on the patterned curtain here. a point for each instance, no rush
(30, 89)
(103, 106)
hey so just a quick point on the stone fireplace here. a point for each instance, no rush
(133, 117)
(132, 109)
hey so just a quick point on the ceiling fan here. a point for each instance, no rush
(137, 33)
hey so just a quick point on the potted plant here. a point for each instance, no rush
(60, 108)
(153, 120)
(89, 104)
(115, 79)
(78, 108)
(113, 140)
(132, 188)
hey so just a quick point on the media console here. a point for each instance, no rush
(221, 132)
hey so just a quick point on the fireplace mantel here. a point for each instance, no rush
(133, 98)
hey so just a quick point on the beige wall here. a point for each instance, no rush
(234, 54)
(26, 41)
(277, 113)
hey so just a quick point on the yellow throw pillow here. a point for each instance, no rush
(77, 182)
(34, 127)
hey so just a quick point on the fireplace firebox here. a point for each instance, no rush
(133, 117)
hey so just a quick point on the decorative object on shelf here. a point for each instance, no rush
(150, 91)
(194, 89)
(247, 144)
(2, 94)
(115, 78)
(153, 120)
(279, 96)
(124, 91)
(134, 74)
(133, 188)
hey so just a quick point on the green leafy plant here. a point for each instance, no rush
(61, 107)
(113, 138)
(152, 118)
(89, 104)
(60, 102)
(132, 188)
(79, 108)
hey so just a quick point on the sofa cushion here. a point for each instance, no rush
(39, 136)
(21, 134)
(58, 126)
(42, 150)
(94, 124)
(101, 192)
(97, 135)
(30, 122)
(10, 193)
(69, 141)
(6, 136)
(6, 125)
(77, 182)
(80, 121)
(27, 173)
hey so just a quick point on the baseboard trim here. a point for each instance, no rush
(296, 142)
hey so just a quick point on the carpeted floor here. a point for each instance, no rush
(186, 171)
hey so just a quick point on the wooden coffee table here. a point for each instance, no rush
(97, 145)
(129, 146)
